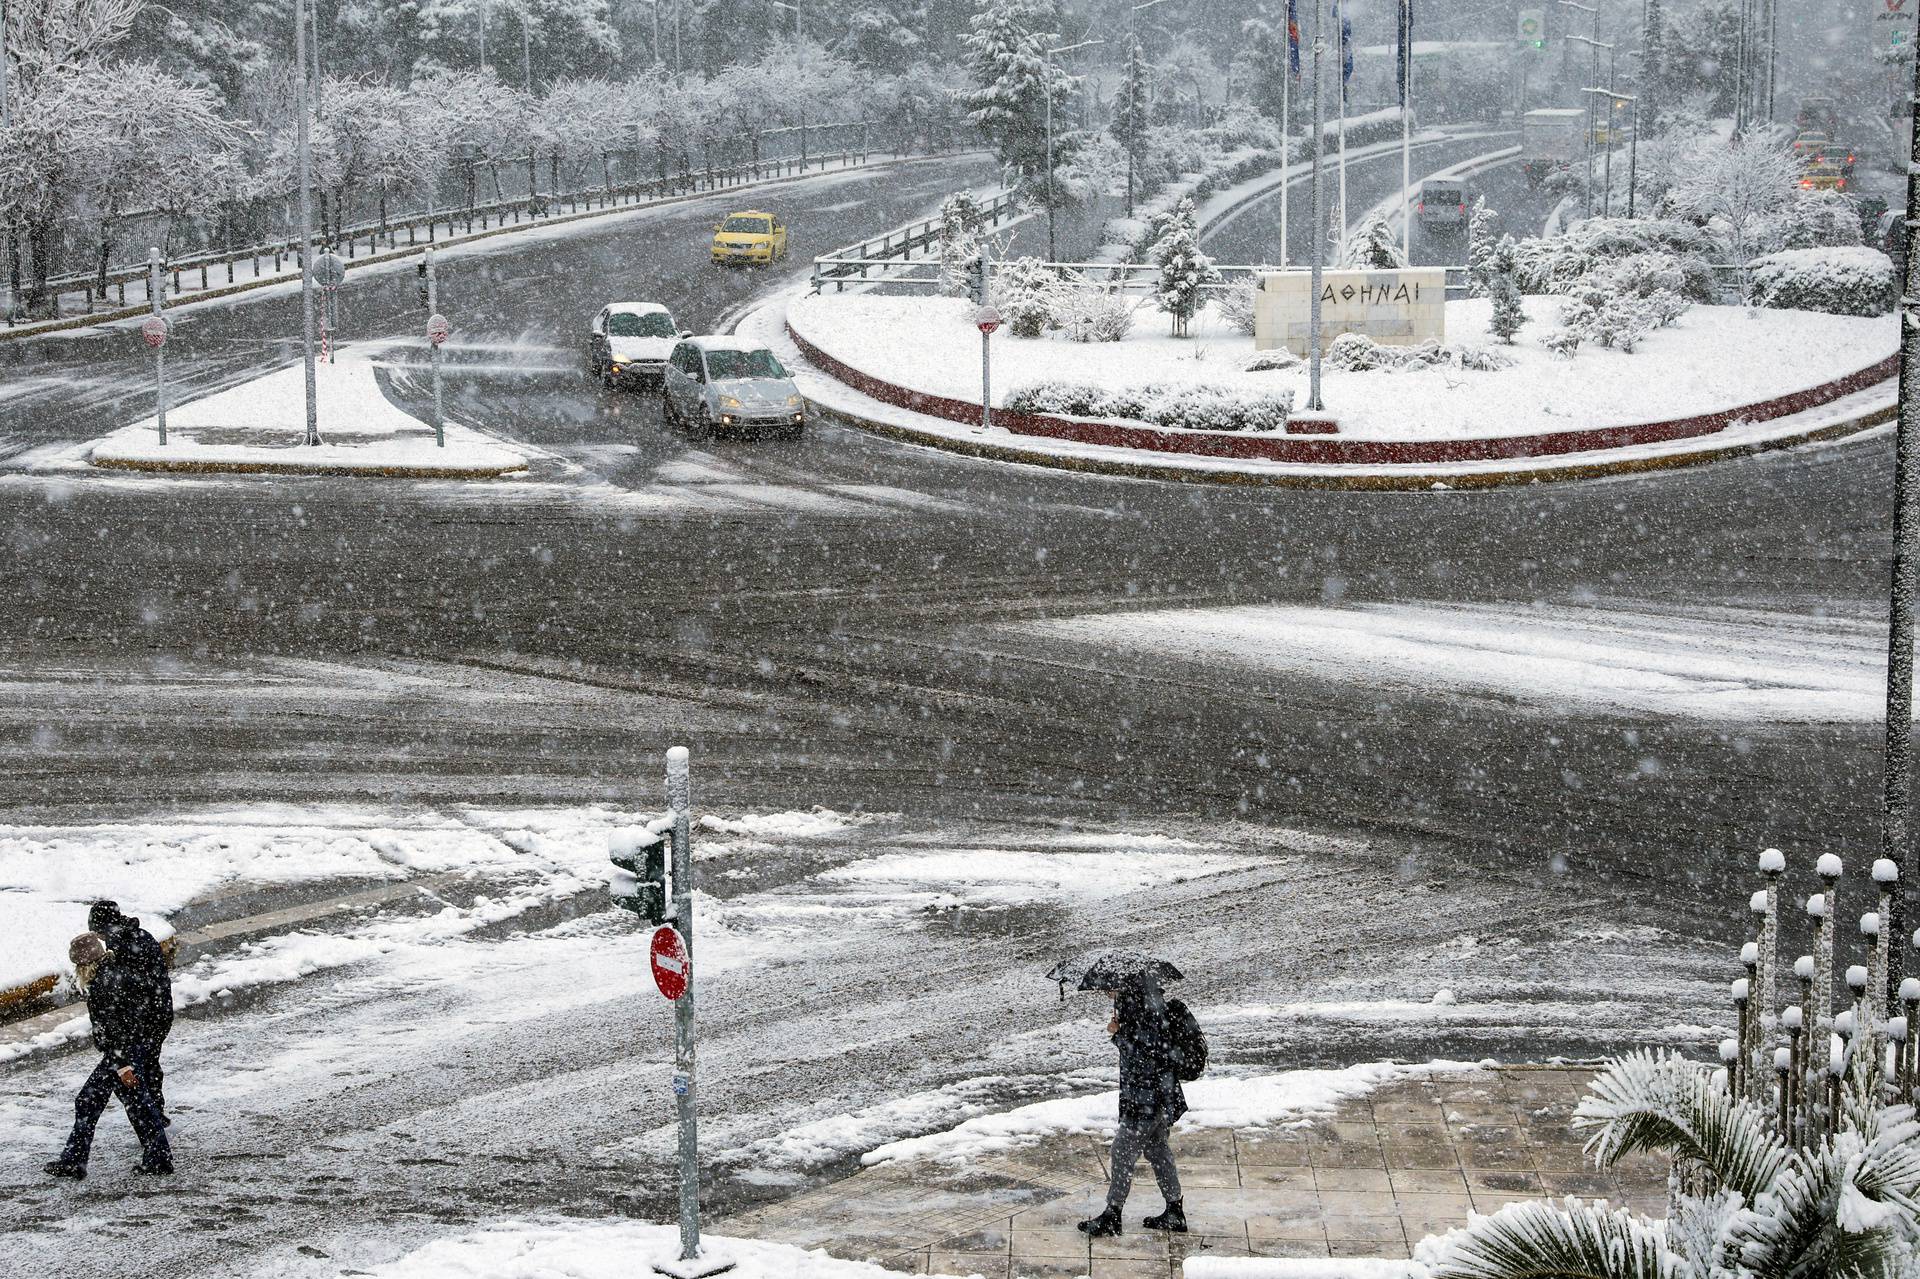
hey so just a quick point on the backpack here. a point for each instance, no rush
(1189, 1042)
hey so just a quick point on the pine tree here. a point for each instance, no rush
(1372, 247)
(1007, 59)
(958, 244)
(1503, 287)
(1129, 124)
(1184, 270)
(1480, 249)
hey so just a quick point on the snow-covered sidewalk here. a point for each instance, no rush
(260, 426)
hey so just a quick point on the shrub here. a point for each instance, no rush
(1185, 407)
(1552, 264)
(1088, 312)
(1373, 247)
(1819, 220)
(1274, 361)
(1236, 303)
(1839, 281)
(1358, 353)
(1026, 293)
(1562, 342)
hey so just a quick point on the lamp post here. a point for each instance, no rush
(526, 52)
(1594, 40)
(1047, 56)
(305, 164)
(1318, 236)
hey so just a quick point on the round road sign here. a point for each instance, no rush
(154, 330)
(667, 956)
(329, 270)
(437, 328)
(986, 319)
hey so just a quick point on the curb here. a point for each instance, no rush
(296, 468)
(415, 250)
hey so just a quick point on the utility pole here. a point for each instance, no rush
(304, 146)
(526, 53)
(1896, 841)
(1319, 232)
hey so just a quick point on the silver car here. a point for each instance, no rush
(723, 384)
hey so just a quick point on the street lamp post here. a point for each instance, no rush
(1318, 236)
(1053, 253)
(526, 52)
(303, 145)
(1594, 40)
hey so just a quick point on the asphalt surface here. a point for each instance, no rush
(825, 622)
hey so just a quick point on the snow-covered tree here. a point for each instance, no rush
(958, 244)
(1129, 123)
(1500, 279)
(1373, 247)
(1735, 187)
(1013, 79)
(1480, 247)
(1024, 291)
(1184, 271)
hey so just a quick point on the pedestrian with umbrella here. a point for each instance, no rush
(1159, 1044)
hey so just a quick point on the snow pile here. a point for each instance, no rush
(1839, 281)
(1217, 1101)
(571, 1248)
(787, 825)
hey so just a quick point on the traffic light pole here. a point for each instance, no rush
(156, 287)
(433, 354)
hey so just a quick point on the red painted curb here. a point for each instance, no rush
(1340, 450)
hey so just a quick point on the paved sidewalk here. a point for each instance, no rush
(1408, 1160)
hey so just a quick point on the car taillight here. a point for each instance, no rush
(1423, 207)
(1807, 183)
(1463, 206)
(1841, 185)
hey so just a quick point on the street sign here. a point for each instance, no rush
(667, 956)
(154, 330)
(329, 270)
(986, 319)
(437, 328)
(1532, 27)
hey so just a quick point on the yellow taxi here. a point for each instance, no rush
(749, 237)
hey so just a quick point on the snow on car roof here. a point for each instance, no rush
(637, 308)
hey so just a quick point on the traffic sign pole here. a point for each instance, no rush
(986, 319)
(155, 286)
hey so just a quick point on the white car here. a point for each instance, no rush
(724, 384)
(629, 342)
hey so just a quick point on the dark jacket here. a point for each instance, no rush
(135, 948)
(117, 1002)
(1150, 1092)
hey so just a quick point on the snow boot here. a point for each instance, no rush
(146, 1169)
(1104, 1226)
(61, 1168)
(1173, 1217)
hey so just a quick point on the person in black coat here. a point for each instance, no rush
(1151, 1099)
(135, 947)
(118, 1002)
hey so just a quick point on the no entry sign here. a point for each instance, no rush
(986, 319)
(154, 330)
(668, 958)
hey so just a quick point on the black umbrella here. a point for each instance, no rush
(1112, 970)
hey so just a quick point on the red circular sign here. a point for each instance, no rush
(667, 956)
(154, 331)
(986, 319)
(437, 329)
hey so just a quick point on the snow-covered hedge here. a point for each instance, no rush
(1839, 281)
(1358, 353)
(1552, 264)
(1188, 407)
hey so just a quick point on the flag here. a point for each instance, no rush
(1293, 41)
(1406, 49)
(1346, 49)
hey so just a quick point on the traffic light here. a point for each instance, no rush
(639, 879)
(420, 280)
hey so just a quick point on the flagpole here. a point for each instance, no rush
(1344, 55)
(1406, 130)
(1286, 125)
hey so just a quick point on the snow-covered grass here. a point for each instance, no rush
(1712, 358)
(1220, 1100)
(568, 1248)
(1012, 876)
(262, 424)
(1709, 664)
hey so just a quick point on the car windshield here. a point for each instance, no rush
(753, 226)
(649, 324)
(725, 366)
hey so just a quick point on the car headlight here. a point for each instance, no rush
(729, 402)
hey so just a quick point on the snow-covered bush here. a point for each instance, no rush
(1187, 407)
(1236, 302)
(1184, 272)
(1276, 360)
(1501, 284)
(1839, 281)
(1551, 264)
(1480, 247)
(1089, 312)
(1358, 353)
(1372, 247)
(1026, 292)
(1562, 342)
(1818, 220)
(959, 242)
(1605, 316)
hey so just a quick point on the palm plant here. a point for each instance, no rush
(1814, 1177)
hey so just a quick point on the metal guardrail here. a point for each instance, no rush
(896, 247)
